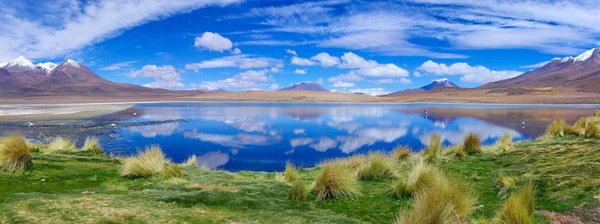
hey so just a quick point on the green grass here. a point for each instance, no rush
(519, 208)
(433, 151)
(59, 144)
(93, 145)
(290, 173)
(378, 165)
(56, 189)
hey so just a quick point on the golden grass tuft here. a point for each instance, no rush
(93, 145)
(433, 151)
(290, 173)
(378, 165)
(192, 161)
(422, 175)
(14, 154)
(334, 182)
(172, 170)
(444, 202)
(472, 144)
(60, 144)
(591, 131)
(401, 152)
(519, 208)
(505, 143)
(147, 163)
(353, 162)
(582, 123)
(505, 185)
(559, 128)
(459, 151)
(598, 113)
(34, 148)
(298, 192)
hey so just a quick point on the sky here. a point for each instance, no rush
(374, 47)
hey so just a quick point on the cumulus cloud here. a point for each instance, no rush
(370, 91)
(402, 80)
(292, 52)
(236, 51)
(166, 76)
(75, 24)
(300, 72)
(242, 61)
(248, 80)
(474, 74)
(213, 42)
(302, 61)
(342, 84)
(326, 60)
(118, 66)
(371, 67)
(350, 77)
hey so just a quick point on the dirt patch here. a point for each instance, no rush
(561, 218)
(210, 187)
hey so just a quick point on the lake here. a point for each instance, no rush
(263, 136)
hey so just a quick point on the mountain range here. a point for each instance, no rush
(306, 86)
(435, 85)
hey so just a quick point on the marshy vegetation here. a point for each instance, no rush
(465, 183)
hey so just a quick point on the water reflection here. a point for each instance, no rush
(263, 136)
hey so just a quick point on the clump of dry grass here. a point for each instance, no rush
(422, 175)
(401, 152)
(298, 192)
(147, 163)
(335, 181)
(378, 166)
(505, 143)
(505, 185)
(598, 113)
(93, 145)
(172, 170)
(60, 144)
(34, 148)
(519, 208)
(559, 128)
(14, 154)
(459, 151)
(433, 151)
(591, 131)
(582, 123)
(191, 161)
(472, 144)
(354, 161)
(444, 202)
(290, 174)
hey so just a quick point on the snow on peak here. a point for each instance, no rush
(587, 54)
(565, 59)
(2, 64)
(440, 80)
(20, 62)
(48, 66)
(71, 63)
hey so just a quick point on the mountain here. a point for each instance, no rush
(581, 72)
(20, 77)
(435, 85)
(306, 86)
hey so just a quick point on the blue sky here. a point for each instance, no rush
(362, 46)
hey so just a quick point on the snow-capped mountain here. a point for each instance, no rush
(47, 66)
(581, 72)
(439, 83)
(307, 86)
(435, 85)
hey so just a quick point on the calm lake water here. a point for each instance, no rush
(262, 136)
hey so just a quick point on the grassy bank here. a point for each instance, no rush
(84, 186)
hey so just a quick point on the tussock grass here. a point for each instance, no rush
(472, 144)
(559, 128)
(34, 148)
(459, 151)
(505, 143)
(505, 185)
(519, 208)
(444, 202)
(172, 170)
(60, 144)
(597, 113)
(401, 152)
(334, 182)
(422, 175)
(591, 131)
(192, 161)
(14, 154)
(378, 165)
(433, 151)
(298, 192)
(582, 123)
(290, 173)
(93, 145)
(354, 161)
(147, 163)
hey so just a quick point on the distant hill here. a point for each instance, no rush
(20, 77)
(581, 72)
(435, 86)
(306, 86)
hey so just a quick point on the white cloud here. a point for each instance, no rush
(292, 52)
(476, 74)
(324, 144)
(370, 91)
(299, 131)
(75, 25)
(236, 51)
(243, 61)
(295, 142)
(274, 70)
(300, 71)
(166, 76)
(537, 65)
(402, 80)
(371, 67)
(118, 66)
(302, 61)
(342, 84)
(274, 86)
(350, 77)
(326, 60)
(417, 74)
(213, 42)
(248, 80)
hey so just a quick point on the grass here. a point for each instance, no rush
(434, 149)
(14, 154)
(192, 161)
(290, 173)
(591, 131)
(378, 165)
(59, 144)
(505, 185)
(147, 163)
(505, 143)
(559, 128)
(401, 152)
(422, 175)
(92, 145)
(472, 144)
(519, 208)
(298, 192)
(334, 182)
